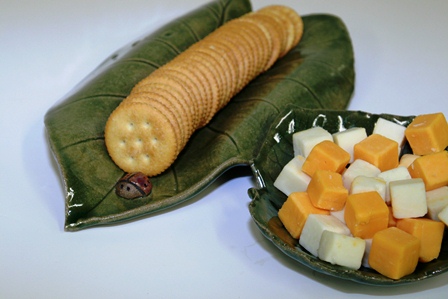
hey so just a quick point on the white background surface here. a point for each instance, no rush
(208, 247)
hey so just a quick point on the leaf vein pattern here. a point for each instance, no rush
(82, 141)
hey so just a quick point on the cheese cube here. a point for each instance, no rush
(394, 253)
(379, 151)
(295, 211)
(326, 155)
(436, 200)
(432, 168)
(428, 133)
(348, 138)
(390, 130)
(363, 184)
(395, 174)
(357, 168)
(341, 249)
(429, 232)
(407, 160)
(291, 178)
(365, 259)
(365, 214)
(304, 141)
(326, 190)
(314, 227)
(408, 198)
(443, 215)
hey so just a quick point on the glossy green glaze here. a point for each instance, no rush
(318, 73)
(277, 150)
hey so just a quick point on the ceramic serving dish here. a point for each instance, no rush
(277, 150)
(317, 73)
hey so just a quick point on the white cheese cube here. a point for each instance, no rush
(408, 198)
(407, 160)
(443, 215)
(314, 226)
(358, 167)
(390, 130)
(365, 259)
(292, 178)
(348, 138)
(339, 214)
(342, 250)
(304, 141)
(395, 174)
(436, 200)
(366, 184)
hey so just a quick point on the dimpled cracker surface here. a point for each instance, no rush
(151, 126)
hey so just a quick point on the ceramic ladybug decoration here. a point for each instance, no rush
(133, 185)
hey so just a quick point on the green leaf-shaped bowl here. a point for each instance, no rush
(318, 73)
(277, 150)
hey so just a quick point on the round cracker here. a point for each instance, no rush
(173, 99)
(243, 33)
(288, 26)
(295, 18)
(211, 78)
(140, 138)
(195, 70)
(263, 36)
(178, 81)
(274, 31)
(260, 43)
(162, 107)
(175, 112)
(240, 48)
(225, 62)
(192, 76)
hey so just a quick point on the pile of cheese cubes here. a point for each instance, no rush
(354, 200)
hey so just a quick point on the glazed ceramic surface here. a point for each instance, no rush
(266, 199)
(318, 73)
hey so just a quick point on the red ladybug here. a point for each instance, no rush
(133, 185)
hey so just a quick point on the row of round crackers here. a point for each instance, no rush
(152, 125)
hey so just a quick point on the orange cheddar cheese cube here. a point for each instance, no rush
(366, 214)
(326, 190)
(428, 231)
(432, 169)
(394, 253)
(326, 155)
(295, 211)
(428, 133)
(378, 150)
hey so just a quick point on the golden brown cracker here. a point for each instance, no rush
(163, 108)
(294, 17)
(280, 27)
(261, 39)
(192, 77)
(171, 78)
(139, 137)
(243, 34)
(224, 61)
(184, 94)
(220, 71)
(273, 30)
(240, 48)
(209, 75)
(174, 99)
(164, 98)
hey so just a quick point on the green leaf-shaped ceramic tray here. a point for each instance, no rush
(277, 150)
(318, 73)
